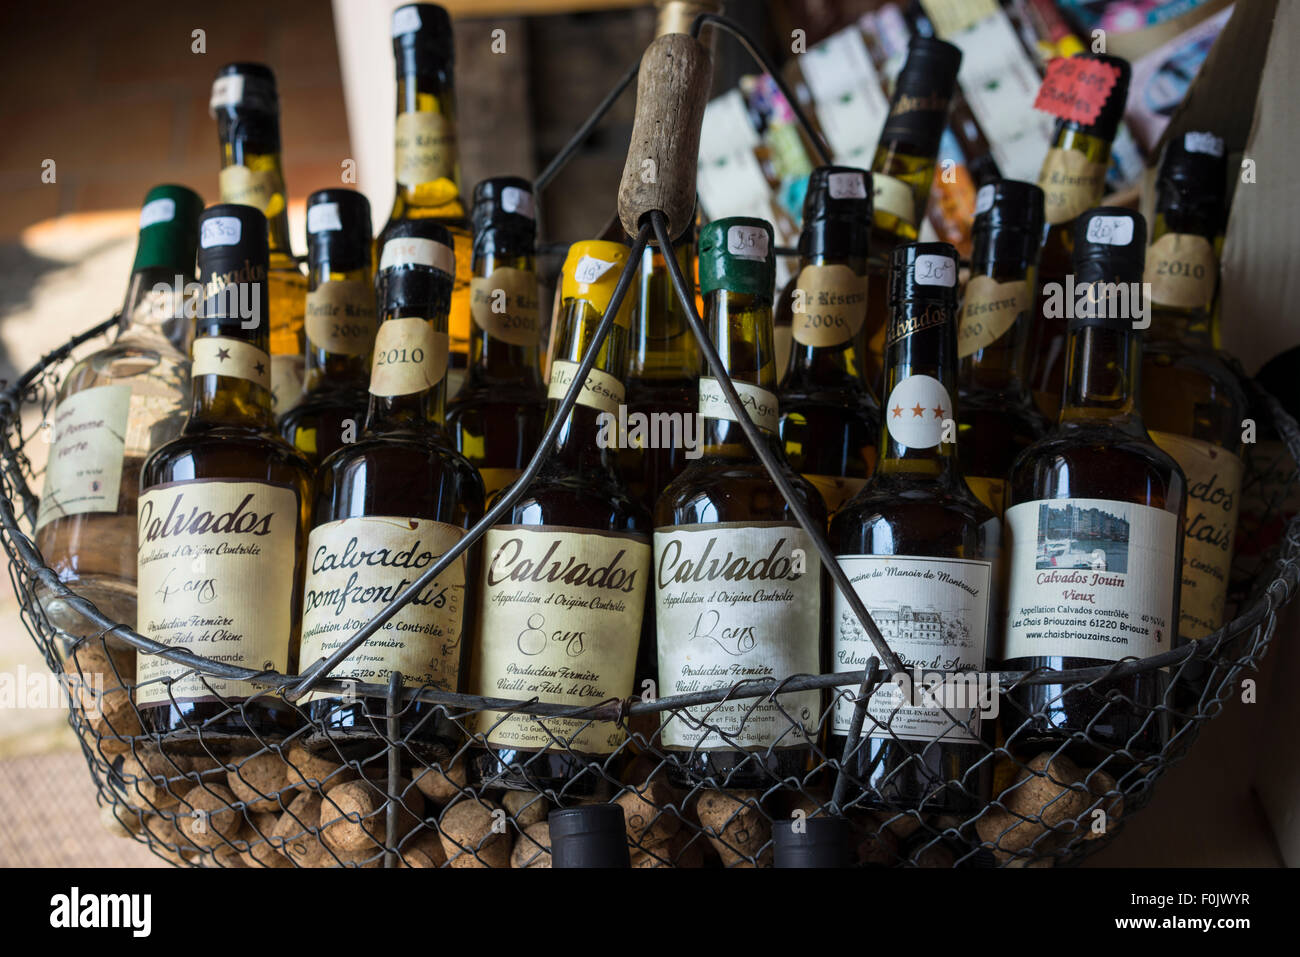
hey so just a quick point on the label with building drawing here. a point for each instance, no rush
(934, 613)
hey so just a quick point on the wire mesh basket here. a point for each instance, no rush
(414, 781)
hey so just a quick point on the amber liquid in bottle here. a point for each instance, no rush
(220, 575)
(921, 549)
(1100, 573)
(403, 494)
(573, 521)
(829, 417)
(497, 417)
(340, 326)
(723, 527)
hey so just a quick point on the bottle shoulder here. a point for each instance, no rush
(227, 452)
(716, 492)
(576, 501)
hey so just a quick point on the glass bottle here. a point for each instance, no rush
(997, 418)
(114, 407)
(340, 325)
(387, 507)
(829, 417)
(921, 551)
(738, 584)
(223, 513)
(497, 417)
(565, 576)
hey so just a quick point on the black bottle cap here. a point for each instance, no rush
(918, 110)
(338, 229)
(836, 212)
(425, 229)
(503, 205)
(245, 88)
(1194, 173)
(422, 38)
(923, 272)
(416, 267)
(1110, 244)
(812, 842)
(232, 250)
(1009, 216)
(593, 835)
(1106, 125)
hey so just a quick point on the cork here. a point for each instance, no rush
(651, 822)
(354, 816)
(111, 717)
(532, 847)
(424, 851)
(736, 827)
(442, 784)
(296, 832)
(259, 780)
(307, 771)
(680, 851)
(153, 781)
(1047, 804)
(526, 808)
(474, 836)
(206, 816)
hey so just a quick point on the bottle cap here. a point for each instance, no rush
(836, 212)
(592, 835)
(1109, 245)
(1010, 212)
(504, 204)
(736, 254)
(169, 230)
(918, 110)
(1194, 173)
(1106, 125)
(338, 229)
(232, 251)
(244, 88)
(591, 272)
(818, 842)
(422, 38)
(923, 272)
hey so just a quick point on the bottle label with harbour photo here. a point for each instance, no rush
(504, 305)
(355, 568)
(989, 309)
(560, 614)
(84, 472)
(215, 571)
(340, 317)
(1090, 578)
(934, 613)
(736, 602)
(829, 305)
(1213, 501)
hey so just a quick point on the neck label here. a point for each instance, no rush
(892, 197)
(763, 408)
(504, 305)
(340, 317)
(220, 231)
(410, 357)
(424, 147)
(988, 312)
(517, 201)
(602, 391)
(234, 358)
(1182, 270)
(916, 412)
(161, 210)
(323, 217)
(846, 186)
(830, 305)
(261, 189)
(416, 251)
(747, 242)
(1071, 184)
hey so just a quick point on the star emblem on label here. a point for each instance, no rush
(918, 407)
(223, 354)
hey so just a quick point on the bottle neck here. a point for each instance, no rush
(825, 367)
(494, 360)
(1000, 257)
(415, 412)
(349, 320)
(577, 451)
(921, 395)
(740, 328)
(1103, 376)
(662, 346)
(1188, 325)
(253, 144)
(150, 312)
(234, 400)
(427, 161)
(902, 172)
(1094, 150)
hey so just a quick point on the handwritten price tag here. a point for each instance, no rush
(1076, 88)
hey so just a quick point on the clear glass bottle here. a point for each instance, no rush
(497, 417)
(114, 407)
(921, 550)
(389, 506)
(247, 107)
(738, 584)
(997, 418)
(1073, 180)
(565, 576)
(1192, 402)
(1094, 521)
(829, 416)
(340, 325)
(223, 514)
(427, 164)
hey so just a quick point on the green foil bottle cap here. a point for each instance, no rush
(169, 229)
(736, 254)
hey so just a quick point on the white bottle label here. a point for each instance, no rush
(220, 231)
(847, 186)
(935, 270)
(358, 566)
(1090, 578)
(934, 613)
(412, 250)
(517, 201)
(1110, 230)
(559, 620)
(323, 217)
(747, 242)
(738, 602)
(763, 407)
(84, 473)
(161, 210)
(916, 412)
(216, 574)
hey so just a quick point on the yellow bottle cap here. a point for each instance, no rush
(591, 272)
